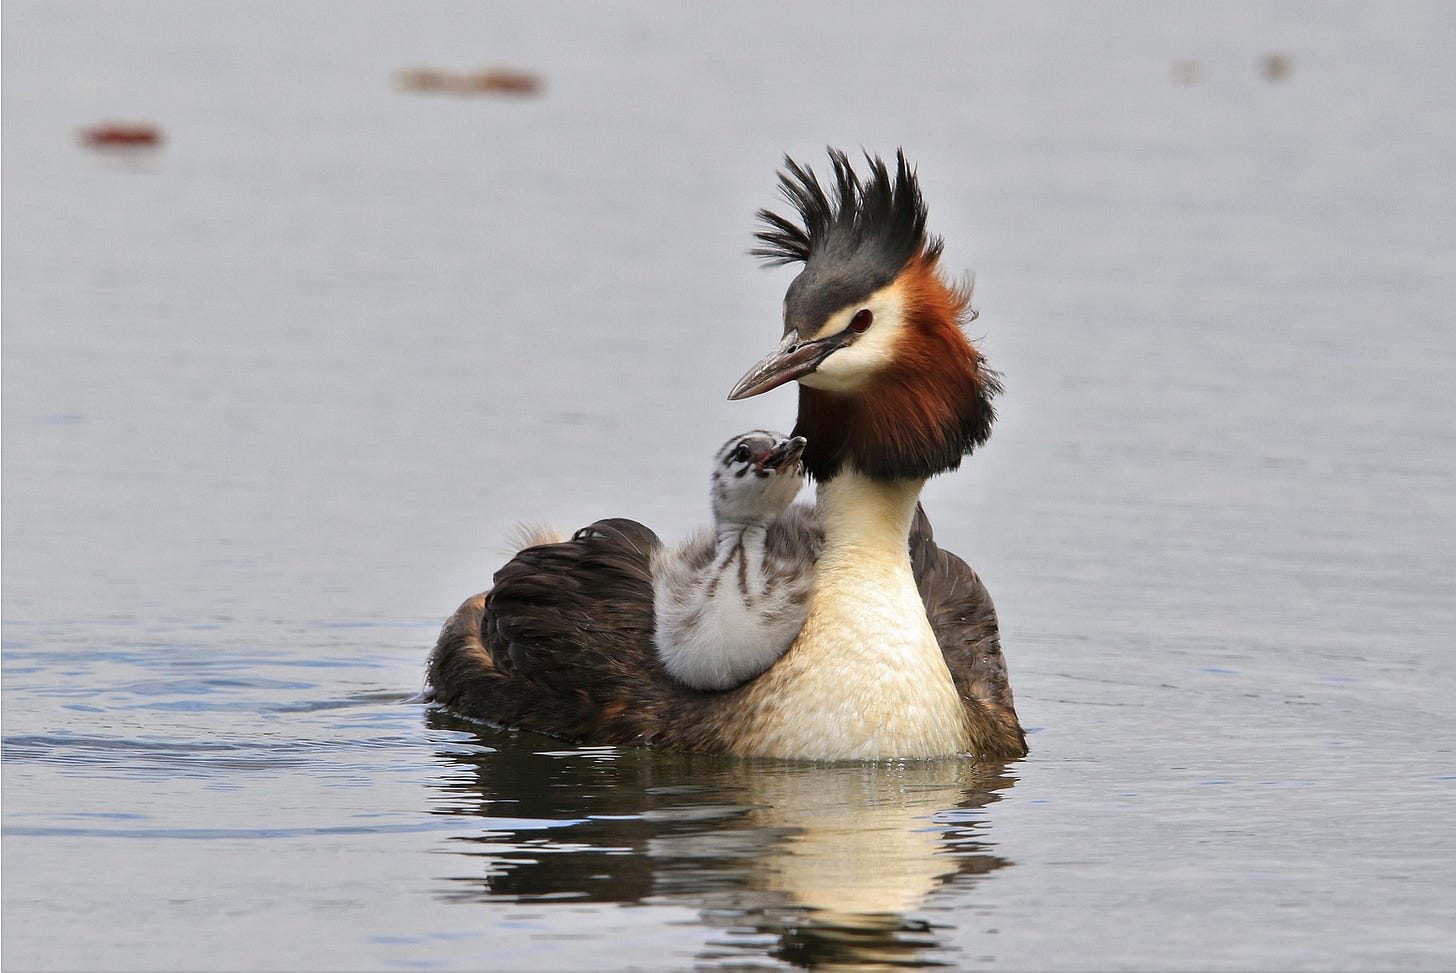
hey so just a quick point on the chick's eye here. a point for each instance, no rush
(741, 454)
(862, 320)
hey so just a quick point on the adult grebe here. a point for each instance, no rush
(729, 601)
(899, 655)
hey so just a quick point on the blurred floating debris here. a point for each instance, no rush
(425, 79)
(507, 81)
(122, 135)
(1276, 66)
(1186, 72)
(512, 82)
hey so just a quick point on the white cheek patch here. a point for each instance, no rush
(851, 366)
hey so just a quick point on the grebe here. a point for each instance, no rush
(728, 602)
(899, 655)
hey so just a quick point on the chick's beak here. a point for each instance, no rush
(786, 453)
(791, 359)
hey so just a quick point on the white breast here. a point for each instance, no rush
(865, 679)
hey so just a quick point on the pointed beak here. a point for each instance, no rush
(791, 359)
(786, 453)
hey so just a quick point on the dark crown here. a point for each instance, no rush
(882, 218)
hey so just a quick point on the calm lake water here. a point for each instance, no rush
(276, 392)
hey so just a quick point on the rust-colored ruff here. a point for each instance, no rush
(930, 406)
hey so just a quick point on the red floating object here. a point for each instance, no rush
(122, 134)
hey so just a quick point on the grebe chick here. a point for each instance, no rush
(727, 603)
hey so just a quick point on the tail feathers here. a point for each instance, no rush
(461, 667)
(523, 536)
(995, 730)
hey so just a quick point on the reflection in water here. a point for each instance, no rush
(810, 864)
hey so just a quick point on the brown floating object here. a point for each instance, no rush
(122, 134)
(1276, 66)
(424, 79)
(1185, 72)
(488, 81)
(507, 81)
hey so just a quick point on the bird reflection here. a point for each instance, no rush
(810, 864)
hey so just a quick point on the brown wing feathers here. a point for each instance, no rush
(963, 618)
(555, 642)
(562, 644)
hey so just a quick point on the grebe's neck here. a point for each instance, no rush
(867, 517)
(866, 678)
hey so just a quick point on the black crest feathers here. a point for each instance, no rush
(882, 215)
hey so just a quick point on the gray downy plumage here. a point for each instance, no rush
(727, 603)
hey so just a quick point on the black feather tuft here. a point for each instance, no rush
(882, 216)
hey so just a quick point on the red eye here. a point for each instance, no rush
(861, 322)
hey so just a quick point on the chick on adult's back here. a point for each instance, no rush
(899, 655)
(727, 601)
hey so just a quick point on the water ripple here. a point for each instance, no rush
(186, 757)
(213, 834)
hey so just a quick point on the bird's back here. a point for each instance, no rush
(563, 642)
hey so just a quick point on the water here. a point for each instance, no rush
(275, 394)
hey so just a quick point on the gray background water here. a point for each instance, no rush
(275, 394)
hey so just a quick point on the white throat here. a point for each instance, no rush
(865, 678)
